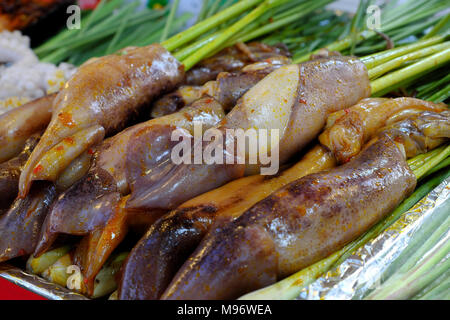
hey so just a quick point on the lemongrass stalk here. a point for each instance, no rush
(137, 19)
(280, 23)
(203, 52)
(432, 285)
(153, 37)
(426, 64)
(432, 162)
(362, 7)
(378, 58)
(440, 166)
(93, 17)
(430, 87)
(335, 46)
(213, 8)
(418, 28)
(203, 11)
(425, 245)
(191, 49)
(414, 12)
(437, 28)
(186, 52)
(167, 27)
(421, 159)
(404, 285)
(122, 26)
(439, 291)
(290, 287)
(109, 7)
(197, 30)
(41, 263)
(397, 62)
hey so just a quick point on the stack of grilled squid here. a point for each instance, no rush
(93, 161)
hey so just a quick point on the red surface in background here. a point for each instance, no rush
(88, 4)
(10, 291)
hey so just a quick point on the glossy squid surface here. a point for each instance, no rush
(309, 218)
(97, 101)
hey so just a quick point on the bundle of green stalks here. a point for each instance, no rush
(113, 25)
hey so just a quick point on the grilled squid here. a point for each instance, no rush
(159, 254)
(119, 167)
(293, 100)
(227, 88)
(309, 218)
(17, 125)
(97, 101)
(20, 226)
(347, 130)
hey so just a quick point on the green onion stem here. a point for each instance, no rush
(397, 62)
(437, 28)
(203, 52)
(410, 71)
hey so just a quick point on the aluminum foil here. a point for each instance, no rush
(37, 284)
(365, 270)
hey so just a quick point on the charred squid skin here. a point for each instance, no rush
(304, 221)
(21, 224)
(156, 258)
(106, 93)
(247, 252)
(10, 172)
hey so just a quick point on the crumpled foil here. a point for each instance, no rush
(364, 271)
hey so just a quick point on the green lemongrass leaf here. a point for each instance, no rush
(213, 9)
(277, 24)
(418, 271)
(229, 32)
(434, 161)
(439, 291)
(441, 95)
(438, 27)
(108, 8)
(121, 28)
(167, 27)
(203, 10)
